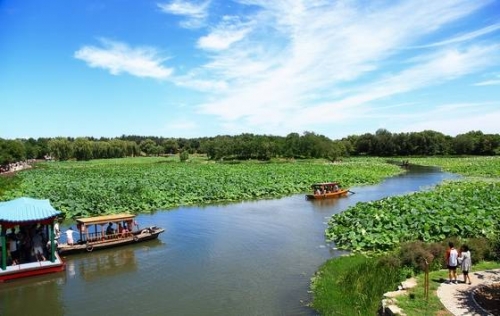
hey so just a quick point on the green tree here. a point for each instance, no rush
(149, 147)
(83, 148)
(183, 155)
(170, 146)
(60, 148)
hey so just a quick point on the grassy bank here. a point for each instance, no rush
(416, 304)
(351, 285)
(469, 208)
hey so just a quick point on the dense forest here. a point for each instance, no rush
(250, 146)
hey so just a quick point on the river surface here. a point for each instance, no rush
(249, 258)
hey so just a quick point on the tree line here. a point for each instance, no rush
(250, 146)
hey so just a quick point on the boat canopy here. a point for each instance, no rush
(322, 184)
(105, 219)
(26, 210)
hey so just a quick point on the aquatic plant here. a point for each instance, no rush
(463, 208)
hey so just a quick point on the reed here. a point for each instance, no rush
(353, 285)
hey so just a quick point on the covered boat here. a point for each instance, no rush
(106, 231)
(27, 239)
(326, 190)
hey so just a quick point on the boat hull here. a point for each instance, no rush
(135, 237)
(25, 270)
(330, 195)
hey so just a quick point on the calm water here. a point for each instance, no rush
(251, 258)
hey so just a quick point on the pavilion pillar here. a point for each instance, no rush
(52, 242)
(3, 243)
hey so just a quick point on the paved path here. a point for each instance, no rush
(457, 298)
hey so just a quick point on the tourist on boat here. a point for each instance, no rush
(38, 246)
(69, 236)
(335, 187)
(14, 252)
(124, 231)
(57, 231)
(110, 230)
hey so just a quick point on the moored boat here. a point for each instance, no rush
(121, 229)
(27, 239)
(327, 190)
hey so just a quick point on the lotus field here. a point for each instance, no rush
(149, 184)
(467, 208)
(469, 166)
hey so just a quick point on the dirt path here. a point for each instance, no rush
(458, 298)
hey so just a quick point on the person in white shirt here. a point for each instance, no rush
(69, 236)
(452, 262)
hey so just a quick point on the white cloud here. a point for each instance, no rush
(452, 124)
(119, 58)
(308, 63)
(221, 39)
(467, 36)
(494, 82)
(195, 13)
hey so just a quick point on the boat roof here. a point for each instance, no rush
(105, 219)
(25, 210)
(324, 183)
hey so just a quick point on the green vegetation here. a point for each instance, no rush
(416, 304)
(403, 228)
(309, 145)
(352, 285)
(148, 184)
(468, 166)
(464, 208)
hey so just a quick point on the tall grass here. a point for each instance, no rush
(353, 285)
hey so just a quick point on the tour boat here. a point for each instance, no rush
(327, 190)
(28, 221)
(100, 232)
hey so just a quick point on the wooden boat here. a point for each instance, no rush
(327, 190)
(33, 219)
(122, 229)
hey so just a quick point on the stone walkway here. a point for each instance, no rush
(458, 299)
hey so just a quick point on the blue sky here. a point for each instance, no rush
(206, 68)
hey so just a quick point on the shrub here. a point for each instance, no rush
(416, 255)
(481, 249)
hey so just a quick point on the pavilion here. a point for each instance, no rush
(22, 216)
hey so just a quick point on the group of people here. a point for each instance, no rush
(327, 189)
(122, 229)
(458, 258)
(27, 245)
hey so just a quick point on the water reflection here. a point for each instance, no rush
(33, 296)
(111, 263)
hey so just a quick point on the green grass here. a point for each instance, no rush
(352, 285)
(415, 304)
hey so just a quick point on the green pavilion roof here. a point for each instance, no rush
(26, 210)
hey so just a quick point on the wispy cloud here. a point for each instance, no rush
(195, 13)
(466, 37)
(491, 82)
(119, 58)
(224, 35)
(307, 63)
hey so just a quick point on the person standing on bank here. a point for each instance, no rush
(465, 262)
(452, 262)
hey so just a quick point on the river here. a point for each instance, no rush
(249, 258)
